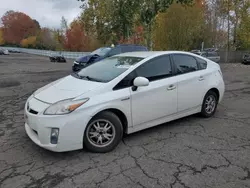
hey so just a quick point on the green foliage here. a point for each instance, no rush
(111, 20)
(243, 32)
(1, 37)
(64, 24)
(182, 31)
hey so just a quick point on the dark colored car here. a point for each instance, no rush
(105, 52)
(246, 59)
(57, 58)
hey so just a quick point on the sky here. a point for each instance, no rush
(47, 12)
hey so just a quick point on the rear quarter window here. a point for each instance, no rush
(202, 63)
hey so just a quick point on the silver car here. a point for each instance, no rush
(213, 55)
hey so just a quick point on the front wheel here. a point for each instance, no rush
(209, 104)
(103, 133)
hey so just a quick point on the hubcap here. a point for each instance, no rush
(210, 104)
(101, 133)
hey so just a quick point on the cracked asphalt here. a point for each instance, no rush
(191, 152)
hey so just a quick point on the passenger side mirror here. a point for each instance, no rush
(139, 82)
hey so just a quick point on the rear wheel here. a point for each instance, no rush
(209, 105)
(103, 133)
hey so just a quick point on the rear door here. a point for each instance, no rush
(190, 82)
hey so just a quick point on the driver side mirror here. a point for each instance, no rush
(140, 82)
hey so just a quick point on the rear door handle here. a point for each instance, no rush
(201, 78)
(171, 87)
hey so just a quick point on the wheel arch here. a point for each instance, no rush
(216, 91)
(119, 113)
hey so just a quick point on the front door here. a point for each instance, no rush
(159, 98)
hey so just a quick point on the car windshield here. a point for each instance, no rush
(107, 69)
(101, 51)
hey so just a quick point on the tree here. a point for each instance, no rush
(149, 11)
(45, 39)
(124, 12)
(98, 19)
(17, 26)
(59, 39)
(243, 33)
(30, 42)
(76, 39)
(115, 18)
(136, 38)
(64, 24)
(1, 37)
(38, 27)
(182, 31)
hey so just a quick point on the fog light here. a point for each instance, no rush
(54, 135)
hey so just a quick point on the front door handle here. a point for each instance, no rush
(201, 78)
(171, 87)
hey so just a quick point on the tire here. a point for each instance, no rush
(209, 111)
(92, 134)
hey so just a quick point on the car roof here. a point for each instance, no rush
(145, 54)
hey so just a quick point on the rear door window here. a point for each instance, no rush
(185, 63)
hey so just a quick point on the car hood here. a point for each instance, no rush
(65, 88)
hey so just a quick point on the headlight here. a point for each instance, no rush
(64, 107)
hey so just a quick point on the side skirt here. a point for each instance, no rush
(164, 120)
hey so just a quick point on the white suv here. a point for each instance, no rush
(121, 94)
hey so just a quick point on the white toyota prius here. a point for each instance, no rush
(125, 93)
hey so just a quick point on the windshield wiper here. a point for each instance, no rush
(90, 78)
(75, 74)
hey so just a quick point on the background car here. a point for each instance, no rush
(4, 52)
(126, 93)
(212, 55)
(13, 50)
(1, 52)
(210, 50)
(57, 58)
(105, 52)
(246, 59)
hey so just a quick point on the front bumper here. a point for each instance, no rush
(71, 128)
